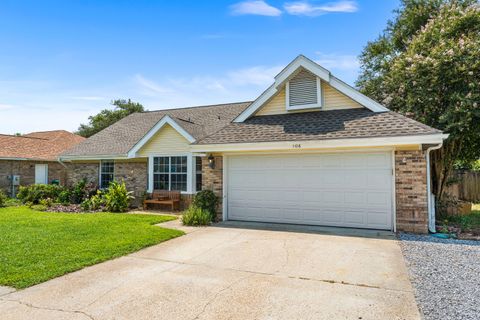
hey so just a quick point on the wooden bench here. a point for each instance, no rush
(171, 198)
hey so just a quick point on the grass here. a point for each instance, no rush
(38, 246)
(470, 222)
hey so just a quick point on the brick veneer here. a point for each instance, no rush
(134, 173)
(411, 191)
(26, 170)
(212, 179)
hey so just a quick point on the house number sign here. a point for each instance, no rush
(296, 145)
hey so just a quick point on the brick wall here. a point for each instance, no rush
(411, 191)
(26, 171)
(78, 171)
(212, 179)
(135, 175)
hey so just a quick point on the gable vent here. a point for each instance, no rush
(303, 91)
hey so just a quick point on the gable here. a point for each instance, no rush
(337, 98)
(166, 141)
(332, 100)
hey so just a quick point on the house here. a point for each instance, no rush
(309, 150)
(33, 158)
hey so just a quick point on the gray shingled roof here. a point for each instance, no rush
(322, 125)
(120, 137)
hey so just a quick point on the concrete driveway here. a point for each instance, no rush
(232, 273)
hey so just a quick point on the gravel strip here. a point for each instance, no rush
(445, 274)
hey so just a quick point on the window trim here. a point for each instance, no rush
(100, 172)
(317, 105)
(190, 168)
(168, 164)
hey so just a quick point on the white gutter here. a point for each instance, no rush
(430, 200)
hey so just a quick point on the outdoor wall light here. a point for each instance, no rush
(211, 162)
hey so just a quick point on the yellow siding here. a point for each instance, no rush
(332, 100)
(167, 141)
(276, 105)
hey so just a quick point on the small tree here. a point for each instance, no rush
(108, 117)
(432, 75)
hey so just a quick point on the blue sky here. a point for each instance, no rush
(61, 61)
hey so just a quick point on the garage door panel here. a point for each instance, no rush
(353, 217)
(354, 160)
(332, 216)
(378, 198)
(342, 189)
(377, 218)
(379, 160)
(355, 179)
(380, 179)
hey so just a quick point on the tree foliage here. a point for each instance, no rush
(427, 65)
(107, 117)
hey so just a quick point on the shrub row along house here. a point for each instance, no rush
(309, 150)
(33, 158)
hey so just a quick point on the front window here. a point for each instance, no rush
(170, 173)
(106, 173)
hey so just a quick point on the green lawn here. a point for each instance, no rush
(37, 246)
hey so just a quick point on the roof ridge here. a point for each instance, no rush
(22, 136)
(195, 107)
(57, 130)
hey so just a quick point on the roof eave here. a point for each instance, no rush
(433, 138)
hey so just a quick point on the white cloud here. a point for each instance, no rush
(305, 8)
(259, 76)
(255, 7)
(6, 106)
(338, 61)
(148, 86)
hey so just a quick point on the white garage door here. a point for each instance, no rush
(338, 189)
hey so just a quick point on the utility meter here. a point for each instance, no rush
(15, 180)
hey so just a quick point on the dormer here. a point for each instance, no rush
(304, 86)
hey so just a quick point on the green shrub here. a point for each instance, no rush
(12, 202)
(195, 216)
(36, 192)
(39, 207)
(206, 200)
(78, 192)
(96, 202)
(64, 197)
(117, 198)
(46, 202)
(3, 198)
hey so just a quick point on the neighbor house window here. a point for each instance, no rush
(106, 173)
(198, 173)
(170, 173)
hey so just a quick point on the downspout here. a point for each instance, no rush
(430, 203)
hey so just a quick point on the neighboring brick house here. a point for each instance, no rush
(33, 158)
(309, 150)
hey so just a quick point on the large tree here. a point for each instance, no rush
(426, 65)
(107, 117)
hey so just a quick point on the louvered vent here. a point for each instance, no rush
(303, 89)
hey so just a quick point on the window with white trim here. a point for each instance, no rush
(303, 91)
(170, 173)
(107, 168)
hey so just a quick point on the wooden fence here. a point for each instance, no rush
(468, 186)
